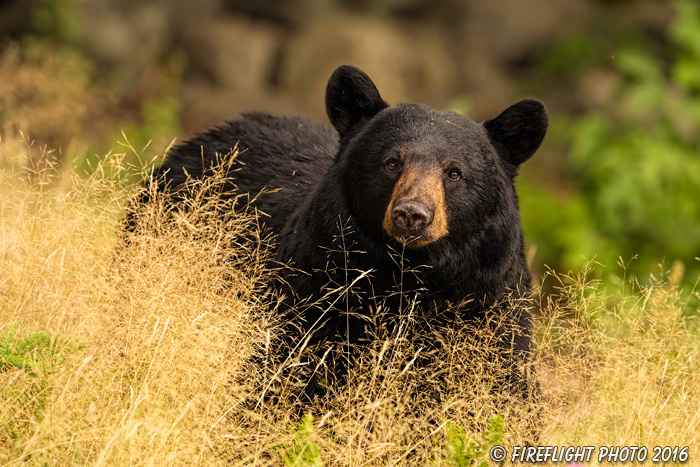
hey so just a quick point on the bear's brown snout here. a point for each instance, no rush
(411, 217)
(415, 214)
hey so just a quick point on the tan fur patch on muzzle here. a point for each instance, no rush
(416, 184)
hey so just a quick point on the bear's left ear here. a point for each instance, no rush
(351, 97)
(519, 130)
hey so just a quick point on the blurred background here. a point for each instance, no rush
(617, 179)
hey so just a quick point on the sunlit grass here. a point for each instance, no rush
(621, 368)
(170, 333)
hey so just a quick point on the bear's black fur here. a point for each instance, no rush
(402, 201)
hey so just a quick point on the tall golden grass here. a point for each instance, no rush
(174, 327)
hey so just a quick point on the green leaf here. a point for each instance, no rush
(464, 451)
(37, 353)
(303, 452)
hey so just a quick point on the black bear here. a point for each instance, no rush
(399, 199)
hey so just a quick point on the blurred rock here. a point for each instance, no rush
(233, 52)
(124, 37)
(403, 67)
(509, 29)
(289, 12)
(16, 17)
(191, 10)
(205, 109)
(491, 36)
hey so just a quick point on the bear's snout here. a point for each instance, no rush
(411, 217)
(416, 214)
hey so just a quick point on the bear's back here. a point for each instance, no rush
(285, 156)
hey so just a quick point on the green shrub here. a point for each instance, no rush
(635, 165)
(303, 451)
(464, 451)
(36, 354)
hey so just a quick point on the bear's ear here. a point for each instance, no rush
(351, 97)
(519, 130)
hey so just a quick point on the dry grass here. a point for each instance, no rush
(175, 328)
(622, 369)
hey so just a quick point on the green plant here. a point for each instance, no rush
(635, 165)
(36, 354)
(303, 451)
(462, 450)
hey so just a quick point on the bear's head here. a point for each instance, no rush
(421, 176)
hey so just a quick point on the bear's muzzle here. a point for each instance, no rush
(416, 214)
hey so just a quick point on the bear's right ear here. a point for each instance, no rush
(351, 98)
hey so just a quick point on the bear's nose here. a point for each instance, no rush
(411, 216)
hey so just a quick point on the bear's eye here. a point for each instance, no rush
(391, 165)
(454, 174)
